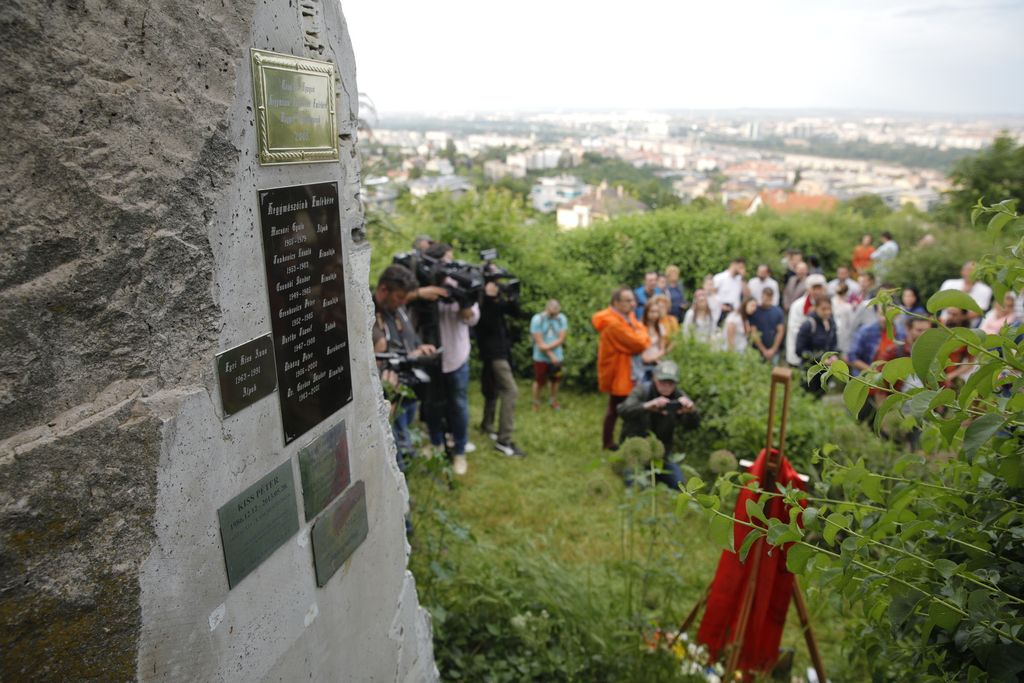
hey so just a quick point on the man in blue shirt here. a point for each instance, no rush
(770, 322)
(867, 342)
(548, 329)
(645, 291)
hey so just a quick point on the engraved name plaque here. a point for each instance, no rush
(306, 284)
(295, 109)
(338, 532)
(257, 522)
(324, 468)
(246, 374)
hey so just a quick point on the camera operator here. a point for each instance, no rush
(497, 382)
(450, 401)
(393, 321)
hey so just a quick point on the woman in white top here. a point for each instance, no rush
(842, 313)
(700, 321)
(737, 327)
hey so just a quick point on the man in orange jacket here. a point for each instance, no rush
(621, 338)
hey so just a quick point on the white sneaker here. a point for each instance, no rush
(470, 447)
(460, 465)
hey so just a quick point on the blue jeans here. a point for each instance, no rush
(455, 386)
(405, 415)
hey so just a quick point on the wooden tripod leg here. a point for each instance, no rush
(805, 622)
(693, 612)
(743, 620)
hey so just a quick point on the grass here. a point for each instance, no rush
(564, 506)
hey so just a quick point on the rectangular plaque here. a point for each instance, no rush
(338, 533)
(306, 284)
(246, 374)
(295, 109)
(257, 522)
(324, 468)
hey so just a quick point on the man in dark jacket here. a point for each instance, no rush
(656, 407)
(497, 381)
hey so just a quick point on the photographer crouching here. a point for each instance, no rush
(402, 352)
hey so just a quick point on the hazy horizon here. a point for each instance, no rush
(909, 57)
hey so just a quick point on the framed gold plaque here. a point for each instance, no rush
(295, 109)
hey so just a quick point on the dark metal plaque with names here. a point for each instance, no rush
(257, 522)
(302, 251)
(246, 374)
(339, 531)
(324, 468)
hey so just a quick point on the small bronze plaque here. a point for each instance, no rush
(246, 373)
(257, 522)
(338, 533)
(305, 269)
(324, 468)
(295, 109)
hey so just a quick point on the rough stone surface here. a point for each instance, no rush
(132, 256)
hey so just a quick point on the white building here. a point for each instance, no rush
(454, 184)
(548, 193)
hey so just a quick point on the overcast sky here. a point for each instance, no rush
(959, 56)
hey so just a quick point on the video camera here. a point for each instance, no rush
(408, 369)
(469, 279)
(495, 273)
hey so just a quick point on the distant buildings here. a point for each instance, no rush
(783, 202)
(456, 185)
(601, 204)
(549, 193)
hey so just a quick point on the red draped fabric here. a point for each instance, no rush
(773, 588)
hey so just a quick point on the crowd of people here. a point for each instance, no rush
(798, 319)
(425, 311)
(424, 317)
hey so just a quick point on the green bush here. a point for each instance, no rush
(731, 391)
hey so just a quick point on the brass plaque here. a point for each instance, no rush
(295, 109)
(324, 468)
(339, 531)
(246, 374)
(257, 522)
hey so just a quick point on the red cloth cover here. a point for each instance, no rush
(773, 589)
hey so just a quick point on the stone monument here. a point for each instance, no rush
(197, 479)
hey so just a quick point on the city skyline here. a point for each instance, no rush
(909, 56)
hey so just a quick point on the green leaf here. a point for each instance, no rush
(748, 543)
(694, 484)
(977, 380)
(943, 398)
(920, 402)
(871, 485)
(943, 616)
(998, 222)
(782, 533)
(888, 404)
(945, 568)
(721, 532)
(949, 427)
(952, 298)
(840, 370)
(833, 524)
(797, 556)
(924, 351)
(854, 396)
(708, 501)
(897, 369)
(980, 431)
(754, 511)
(809, 516)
